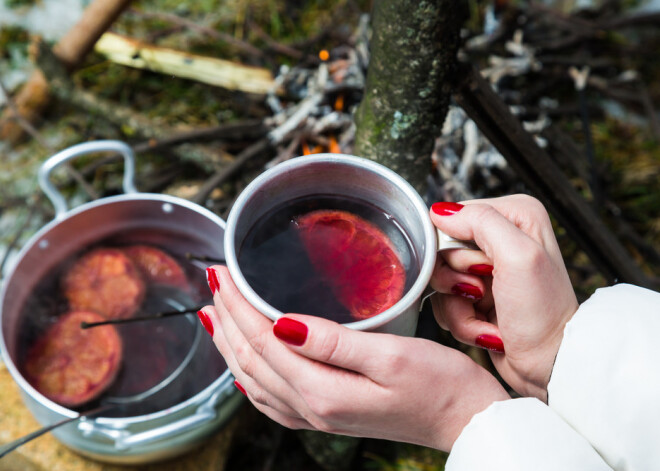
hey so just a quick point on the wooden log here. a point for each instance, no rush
(23, 111)
(218, 72)
(71, 49)
(80, 40)
(547, 182)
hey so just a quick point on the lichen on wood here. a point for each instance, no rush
(413, 55)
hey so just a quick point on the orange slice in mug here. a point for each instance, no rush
(355, 258)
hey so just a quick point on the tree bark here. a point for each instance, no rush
(413, 56)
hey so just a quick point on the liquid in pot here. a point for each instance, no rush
(151, 350)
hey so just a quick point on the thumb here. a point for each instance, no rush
(331, 343)
(498, 237)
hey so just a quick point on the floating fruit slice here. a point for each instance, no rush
(355, 258)
(157, 266)
(105, 281)
(72, 366)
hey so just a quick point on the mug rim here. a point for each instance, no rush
(427, 258)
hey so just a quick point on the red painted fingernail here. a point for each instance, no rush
(490, 342)
(467, 291)
(480, 269)
(240, 388)
(290, 331)
(206, 322)
(212, 279)
(446, 208)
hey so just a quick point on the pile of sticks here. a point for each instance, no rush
(534, 54)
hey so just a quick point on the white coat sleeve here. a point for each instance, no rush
(522, 435)
(606, 379)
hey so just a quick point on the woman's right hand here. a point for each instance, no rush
(520, 310)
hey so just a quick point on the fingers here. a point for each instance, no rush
(498, 237)
(294, 423)
(447, 280)
(243, 335)
(523, 211)
(531, 217)
(466, 324)
(463, 298)
(250, 321)
(474, 262)
(289, 366)
(527, 213)
(330, 343)
(313, 337)
(250, 371)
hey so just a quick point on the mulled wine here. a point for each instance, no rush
(336, 257)
(150, 351)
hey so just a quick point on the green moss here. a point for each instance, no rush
(401, 124)
(20, 3)
(13, 42)
(409, 458)
(169, 99)
(632, 160)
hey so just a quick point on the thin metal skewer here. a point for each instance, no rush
(160, 315)
(205, 258)
(9, 447)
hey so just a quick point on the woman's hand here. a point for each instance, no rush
(312, 373)
(513, 297)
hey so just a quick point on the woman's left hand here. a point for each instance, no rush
(306, 372)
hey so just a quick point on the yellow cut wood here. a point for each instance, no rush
(218, 72)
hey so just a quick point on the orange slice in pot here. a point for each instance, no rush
(105, 281)
(157, 266)
(72, 366)
(355, 258)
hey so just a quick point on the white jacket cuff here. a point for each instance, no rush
(522, 435)
(606, 379)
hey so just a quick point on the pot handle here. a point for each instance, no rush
(81, 149)
(207, 412)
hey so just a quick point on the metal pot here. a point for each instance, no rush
(135, 439)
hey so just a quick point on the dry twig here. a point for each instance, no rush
(206, 30)
(209, 70)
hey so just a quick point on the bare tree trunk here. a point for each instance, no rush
(413, 57)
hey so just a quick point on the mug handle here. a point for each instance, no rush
(81, 149)
(446, 242)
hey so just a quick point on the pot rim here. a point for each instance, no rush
(33, 241)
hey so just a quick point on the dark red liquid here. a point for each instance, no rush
(152, 350)
(278, 265)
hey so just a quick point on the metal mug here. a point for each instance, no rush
(357, 178)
